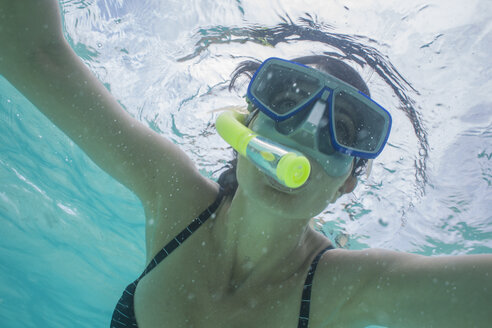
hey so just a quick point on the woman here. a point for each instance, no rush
(250, 256)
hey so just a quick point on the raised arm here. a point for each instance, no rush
(37, 60)
(405, 290)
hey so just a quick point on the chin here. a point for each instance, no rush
(290, 203)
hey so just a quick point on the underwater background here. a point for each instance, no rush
(71, 238)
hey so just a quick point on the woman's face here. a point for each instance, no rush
(307, 201)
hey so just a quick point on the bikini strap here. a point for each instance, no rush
(184, 234)
(306, 292)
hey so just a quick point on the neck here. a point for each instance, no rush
(258, 242)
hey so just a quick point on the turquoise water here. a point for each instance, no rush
(71, 237)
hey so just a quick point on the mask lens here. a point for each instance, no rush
(356, 125)
(291, 124)
(283, 90)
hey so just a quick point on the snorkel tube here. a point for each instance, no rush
(287, 166)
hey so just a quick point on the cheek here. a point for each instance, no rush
(320, 192)
(325, 187)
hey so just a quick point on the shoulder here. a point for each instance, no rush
(346, 281)
(360, 267)
(368, 260)
(167, 216)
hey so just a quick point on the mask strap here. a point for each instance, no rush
(250, 116)
(369, 168)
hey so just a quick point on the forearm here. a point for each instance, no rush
(37, 60)
(41, 65)
(56, 81)
(26, 25)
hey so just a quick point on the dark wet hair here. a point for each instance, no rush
(324, 63)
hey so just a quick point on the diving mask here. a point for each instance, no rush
(317, 114)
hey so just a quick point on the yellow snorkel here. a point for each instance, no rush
(285, 165)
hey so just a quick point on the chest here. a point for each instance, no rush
(191, 289)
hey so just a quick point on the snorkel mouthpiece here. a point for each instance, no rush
(287, 166)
